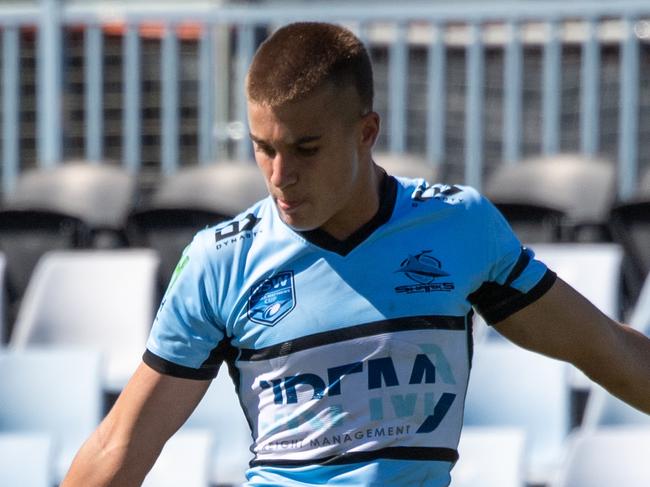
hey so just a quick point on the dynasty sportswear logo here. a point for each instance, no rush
(236, 231)
(425, 270)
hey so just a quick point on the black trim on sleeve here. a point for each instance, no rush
(495, 302)
(166, 367)
(390, 453)
(522, 262)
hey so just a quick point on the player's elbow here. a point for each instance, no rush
(107, 460)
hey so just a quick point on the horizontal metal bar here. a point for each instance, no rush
(327, 11)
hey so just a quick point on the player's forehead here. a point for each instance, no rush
(307, 118)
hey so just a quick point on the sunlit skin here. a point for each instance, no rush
(315, 155)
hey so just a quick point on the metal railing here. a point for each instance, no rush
(434, 28)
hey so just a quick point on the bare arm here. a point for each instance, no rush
(564, 325)
(127, 443)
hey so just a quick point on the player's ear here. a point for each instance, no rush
(370, 124)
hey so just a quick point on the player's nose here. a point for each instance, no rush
(283, 171)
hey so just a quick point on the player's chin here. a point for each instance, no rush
(298, 222)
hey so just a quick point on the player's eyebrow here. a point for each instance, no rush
(302, 140)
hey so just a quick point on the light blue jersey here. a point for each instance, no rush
(351, 359)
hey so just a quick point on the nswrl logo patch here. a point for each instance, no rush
(272, 299)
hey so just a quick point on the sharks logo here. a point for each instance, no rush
(424, 269)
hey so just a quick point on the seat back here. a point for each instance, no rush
(25, 235)
(26, 459)
(52, 391)
(100, 299)
(490, 457)
(185, 460)
(168, 231)
(608, 457)
(510, 386)
(188, 201)
(581, 189)
(100, 195)
(225, 187)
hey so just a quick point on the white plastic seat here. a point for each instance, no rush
(490, 457)
(221, 413)
(25, 459)
(99, 299)
(512, 387)
(185, 461)
(608, 457)
(51, 391)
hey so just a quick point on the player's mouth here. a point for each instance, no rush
(289, 206)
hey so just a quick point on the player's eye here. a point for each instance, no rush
(307, 151)
(265, 149)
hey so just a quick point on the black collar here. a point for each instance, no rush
(387, 197)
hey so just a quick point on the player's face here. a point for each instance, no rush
(315, 157)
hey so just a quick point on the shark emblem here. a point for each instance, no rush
(422, 268)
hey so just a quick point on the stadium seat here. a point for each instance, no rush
(25, 459)
(512, 387)
(74, 205)
(221, 413)
(51, 391)
(556, 198)
(490, 457)
(102, 299)
(25, 235)
(100, 195)
(607, 457)
(184, 461)
(408, 165)
(188, 201)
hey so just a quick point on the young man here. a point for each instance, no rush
(342, 303)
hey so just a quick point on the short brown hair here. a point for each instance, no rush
(301, 57)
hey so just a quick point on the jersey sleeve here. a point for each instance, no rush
(186, 339)
(513, 277)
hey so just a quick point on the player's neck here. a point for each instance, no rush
(362, 209)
